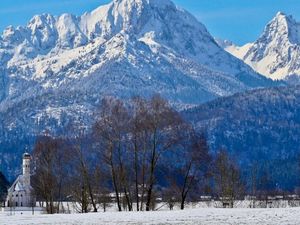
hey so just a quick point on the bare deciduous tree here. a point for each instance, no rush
(85, 174)
(110, 130)
(51, 168)
(163, 125)
(228, 179)
(196, 163)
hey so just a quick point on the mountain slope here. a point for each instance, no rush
(276, 53)
(260, 128)
(55, 70)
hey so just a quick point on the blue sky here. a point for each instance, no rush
(241, 21)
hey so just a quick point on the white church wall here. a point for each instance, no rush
(21, 193)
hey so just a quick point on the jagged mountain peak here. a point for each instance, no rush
(283, 26)
(134, 16)
(280, 13)
(276, 52)
(122, 48)
(157, 3)
(283, 17)
(39, 19)
(280, 16)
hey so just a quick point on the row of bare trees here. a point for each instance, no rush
(135, 153)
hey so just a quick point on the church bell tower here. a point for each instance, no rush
(26, 168)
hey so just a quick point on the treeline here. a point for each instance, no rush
(136, 154)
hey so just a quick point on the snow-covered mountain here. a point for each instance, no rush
(55, 70)
(276, 53)
(126, 47)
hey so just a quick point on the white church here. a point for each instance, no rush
(21, 194)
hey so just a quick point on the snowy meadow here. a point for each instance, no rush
(134, 113)
(203, 216)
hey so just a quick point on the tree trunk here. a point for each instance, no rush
(136, 176)
(115, 186)
(149, 193)
(182, 202)
(91, 196)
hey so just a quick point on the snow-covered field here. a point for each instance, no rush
(211, 216)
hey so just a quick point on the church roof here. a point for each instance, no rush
(20, 185)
